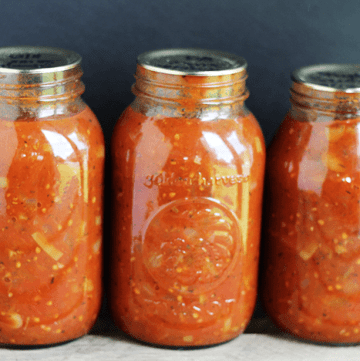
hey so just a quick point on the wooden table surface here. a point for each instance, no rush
(262, 341)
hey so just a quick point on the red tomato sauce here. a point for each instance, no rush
(51, 179)
(311, 282)
(186, 220)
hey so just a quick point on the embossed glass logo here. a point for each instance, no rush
(198, 179)
(191, 245)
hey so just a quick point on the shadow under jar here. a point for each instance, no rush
(311, 275)
(51, 179)
(188, 162)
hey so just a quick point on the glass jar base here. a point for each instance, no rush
(177, 347)
(24, 347)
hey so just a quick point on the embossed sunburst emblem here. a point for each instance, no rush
(191, 245)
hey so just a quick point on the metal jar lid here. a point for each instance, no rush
(37, 64)
(197, 62)
(329, 77)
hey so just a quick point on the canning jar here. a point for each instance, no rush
(51, 179)
(311, 285)
(187, 163)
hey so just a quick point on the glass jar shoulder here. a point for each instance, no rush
(82, 128)
(330, 146)
(62, 135)
(221, 139)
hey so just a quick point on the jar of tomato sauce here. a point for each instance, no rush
(188, 163)
(51, 179)
(311, 285)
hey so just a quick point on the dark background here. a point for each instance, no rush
(274, 36)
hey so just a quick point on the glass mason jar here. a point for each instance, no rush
(51, 179)
(311, 283)
(188, 163)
